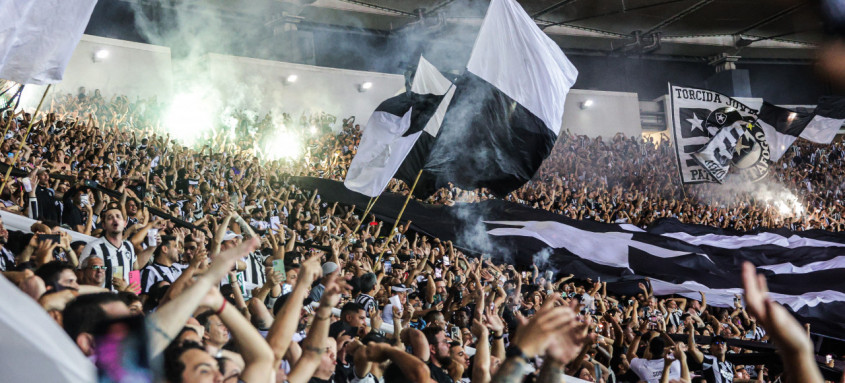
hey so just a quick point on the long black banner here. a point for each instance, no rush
(804, 268)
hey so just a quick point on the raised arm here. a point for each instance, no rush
(789, 337)
(169, 318)
(315, 343)
(258, 357)
(481, 368)
(413, 368)
(284, 325)
(697, 355)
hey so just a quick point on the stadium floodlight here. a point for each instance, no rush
(365, 86)
(101, 55)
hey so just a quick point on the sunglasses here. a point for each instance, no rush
(97, 267)
(719, 343)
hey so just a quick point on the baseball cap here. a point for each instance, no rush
(329, 267)
(230, 235)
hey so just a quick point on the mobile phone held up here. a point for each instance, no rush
(279, 267)
(55, 238)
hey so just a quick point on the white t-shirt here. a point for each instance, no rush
(387, 314)
(652, 370)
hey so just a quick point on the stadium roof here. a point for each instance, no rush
(786, 29)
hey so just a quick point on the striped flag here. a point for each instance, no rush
(784, 126)
(804, 268)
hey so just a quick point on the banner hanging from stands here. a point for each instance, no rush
(697, 116)
(804, 268)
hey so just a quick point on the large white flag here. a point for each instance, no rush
(504, 118)
(37, 37)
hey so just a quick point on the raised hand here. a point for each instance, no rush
(533, 336)
(787, 333)
(375, 318)
(478, 329)
(493, 322)
(335, 286)
(44, 252)
(310, 270)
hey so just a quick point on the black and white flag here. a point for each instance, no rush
(697, 116)
(804, 268)
(736, 146)
(507, 109)
(394, 130)
(717, 154)
(784, 126)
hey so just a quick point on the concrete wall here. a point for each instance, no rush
(610, 113)
(131, 69)
(143, 70)
(317, 89)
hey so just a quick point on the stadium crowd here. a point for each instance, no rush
(250, 278)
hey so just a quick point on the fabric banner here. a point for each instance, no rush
(804, 268)
(34, 47)
(33, 347)
(697, 115)
(393, 130)
(782, 127)
(716, 156)
(507, 109)
(827, 120)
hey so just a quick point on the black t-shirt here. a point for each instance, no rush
(344, 372)
(47, 208)
(318, 380)
(72, 216)
(438, 374)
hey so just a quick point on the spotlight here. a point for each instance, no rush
(100, 55)
(291, 79)
(586, 104)
(365, 86)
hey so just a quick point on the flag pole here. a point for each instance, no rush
(396, 223)
(25, 136)
(12, 112)
(370, 205)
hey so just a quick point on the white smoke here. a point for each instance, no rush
(473, 233)
(768, 192)
(541, 259)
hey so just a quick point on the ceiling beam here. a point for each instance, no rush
(773, 18)
(438, 7)
(678, 16)
(610, 13)
(378, 7)
(552, 8)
